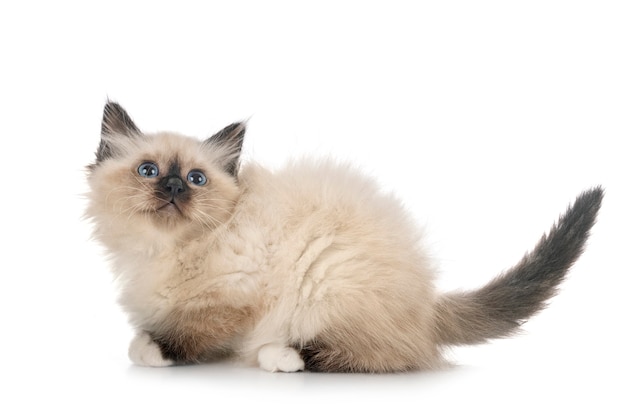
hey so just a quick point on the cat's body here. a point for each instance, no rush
(309, 266)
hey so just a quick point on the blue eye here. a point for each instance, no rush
(196, 177)
(148, 170)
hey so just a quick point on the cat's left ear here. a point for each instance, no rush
(231, 140)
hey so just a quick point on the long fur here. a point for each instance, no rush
(309, 266)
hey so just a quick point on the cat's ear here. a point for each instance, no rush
(115, 122)
(229, 139)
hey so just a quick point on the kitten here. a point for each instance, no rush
(309, 267)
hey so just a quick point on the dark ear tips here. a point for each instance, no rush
(232, 134)
(115, 121)
(230, 138)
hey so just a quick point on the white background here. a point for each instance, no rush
(485, 117)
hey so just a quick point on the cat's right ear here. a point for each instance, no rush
(115, 122)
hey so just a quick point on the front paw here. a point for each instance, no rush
(279, 358)
(145, 352)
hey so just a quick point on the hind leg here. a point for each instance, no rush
(145, 352)
(279, 358)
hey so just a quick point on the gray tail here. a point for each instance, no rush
(499, 308)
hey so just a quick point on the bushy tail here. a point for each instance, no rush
(500, 307)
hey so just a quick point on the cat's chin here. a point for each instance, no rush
(170, 209)
(169, 213)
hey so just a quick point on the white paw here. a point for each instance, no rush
(143, 351)
(279, 358)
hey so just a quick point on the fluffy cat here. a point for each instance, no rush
(309, 267)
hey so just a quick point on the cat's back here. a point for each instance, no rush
(312, 184)
(324, 196)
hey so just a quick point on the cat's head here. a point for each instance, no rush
(163, 181)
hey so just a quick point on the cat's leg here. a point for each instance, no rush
(144, 351)
(279, 358)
